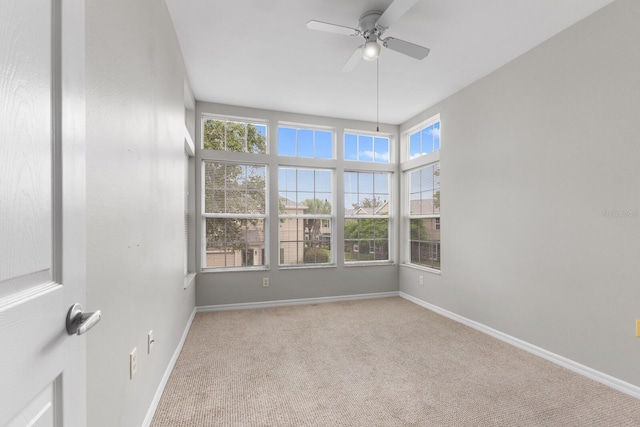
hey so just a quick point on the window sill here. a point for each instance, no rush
(305, 266)
(234, 269)
(422, 268)
(189, 279)
(367, 263)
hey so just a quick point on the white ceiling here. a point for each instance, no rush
(259, 53)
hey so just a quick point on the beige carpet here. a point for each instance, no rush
(379, 362)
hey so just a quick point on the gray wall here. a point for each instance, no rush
(213, 288)
(531, 156)
(135, 167)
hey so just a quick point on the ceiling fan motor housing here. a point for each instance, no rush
(367, 25)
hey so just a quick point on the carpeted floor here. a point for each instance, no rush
(379, 362)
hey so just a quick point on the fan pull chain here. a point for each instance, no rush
(378, 94)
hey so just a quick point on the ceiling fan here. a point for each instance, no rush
(371, 26)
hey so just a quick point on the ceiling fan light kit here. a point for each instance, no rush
(371, 50)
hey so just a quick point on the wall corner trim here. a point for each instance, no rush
(280, 303)
(601, 377)
(167, 373)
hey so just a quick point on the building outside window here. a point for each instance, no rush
(306, 215)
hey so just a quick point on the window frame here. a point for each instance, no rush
(237, 119)
(388, 217)
(297, 127)
(407, 166)
(332, 217)
(406, 155)
(205, 215)
(373, 135)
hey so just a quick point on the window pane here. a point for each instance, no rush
(425, 242)
(323, 180)
(424, 190)
(381, 183)
(427, 140)
(309, 192)
(365, 148)
(213, 135)
(256, 138)
(350, 147)
(366, 193)
(381, 150)
(324, 144)
(306, 180)
(305, 241)
(234, 242)
(366, 239)
(234, 188)
(414, 145)
(424, 141)
(286, 141)
(305, 143)
(238, 136)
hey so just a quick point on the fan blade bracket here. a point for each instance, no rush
(407, 48)
(332, 28)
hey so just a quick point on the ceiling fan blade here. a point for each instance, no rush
(397, 9)
(332, 28)
(409, 49)
(353, 60)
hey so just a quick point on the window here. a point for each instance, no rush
(425, 140)
(366, 216)
(235, 207)
(234, 135)
(306, 215)
(424, 216)
(187, 214)
(300, 142)
(366, 148)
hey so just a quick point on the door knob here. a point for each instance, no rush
(79, 322)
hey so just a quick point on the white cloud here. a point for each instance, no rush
(370, 155)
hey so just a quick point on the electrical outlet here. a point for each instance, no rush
(638, 328)
(265, 282)
(421, 280)
(150, 342)
(133, 362)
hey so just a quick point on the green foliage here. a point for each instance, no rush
(316, 256)
(375, 202)
(418, 230)
(232, 188)
(366, 229)
(317, 206)
(233, 136)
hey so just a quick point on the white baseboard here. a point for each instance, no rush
(608, 380)
(167, 373)
(280, 303)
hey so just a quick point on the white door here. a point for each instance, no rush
(42, 218)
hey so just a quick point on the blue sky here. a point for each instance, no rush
(366, 148)
(424, 141)
(305, 143)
